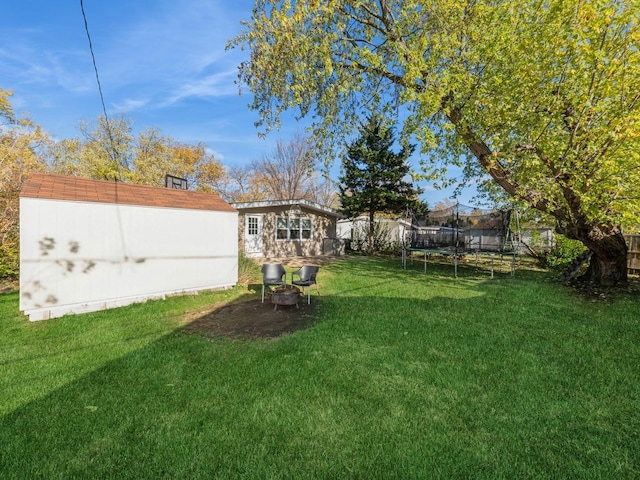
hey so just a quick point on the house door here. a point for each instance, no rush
(253, 236)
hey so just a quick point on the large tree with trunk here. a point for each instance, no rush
(288, 172)
(110, 150)
(540, 97)
(21, 145)
(374, 177)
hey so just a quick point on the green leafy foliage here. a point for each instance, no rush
(110, 150)
(383, 239)
(9, 259)
(540, 98)
(374, 178)
(562, 254)
(248, 269)
(21, 152)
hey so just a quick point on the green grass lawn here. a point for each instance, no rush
(404, 375)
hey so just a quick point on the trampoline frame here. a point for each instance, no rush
(456, 256)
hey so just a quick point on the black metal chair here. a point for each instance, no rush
(307, 277)
(272, 274)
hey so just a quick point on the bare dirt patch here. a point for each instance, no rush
(249, 318)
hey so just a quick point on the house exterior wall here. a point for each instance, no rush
(394, 231)
(85, 256)
(323, 226)
(484, 239)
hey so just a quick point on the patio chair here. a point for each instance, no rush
(272, 274)
(307, 277)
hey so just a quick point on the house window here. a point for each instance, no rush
(293, 228)
(252, 228)
(305, 228)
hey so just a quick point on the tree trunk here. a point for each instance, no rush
(371, 231)
(608, 265)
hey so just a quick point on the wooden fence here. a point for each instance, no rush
(633, 256)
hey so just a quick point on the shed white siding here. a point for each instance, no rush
(84, 256)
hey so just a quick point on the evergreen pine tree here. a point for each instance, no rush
(373, 177)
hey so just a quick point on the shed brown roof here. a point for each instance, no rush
(60, 187)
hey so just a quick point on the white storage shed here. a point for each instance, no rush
(88, 245)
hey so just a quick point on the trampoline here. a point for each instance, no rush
(458, 231)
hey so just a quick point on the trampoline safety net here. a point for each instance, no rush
(462, 229)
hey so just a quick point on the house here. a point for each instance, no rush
(490, 234)
(287, 228)
(88, 245)
(392, 232)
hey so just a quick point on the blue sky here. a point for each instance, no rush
(163, 63)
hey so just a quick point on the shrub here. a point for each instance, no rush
(563, 253)
(384, 241)
(248, 269)
(9, 260)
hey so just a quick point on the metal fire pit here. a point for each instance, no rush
(288, 295)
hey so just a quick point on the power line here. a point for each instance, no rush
(112, 153)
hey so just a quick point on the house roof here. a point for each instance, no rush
(60, 187)
(309, 205)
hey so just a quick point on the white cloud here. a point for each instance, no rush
(130, 104)
(217, 156)
(171, 53)
(216, 85)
